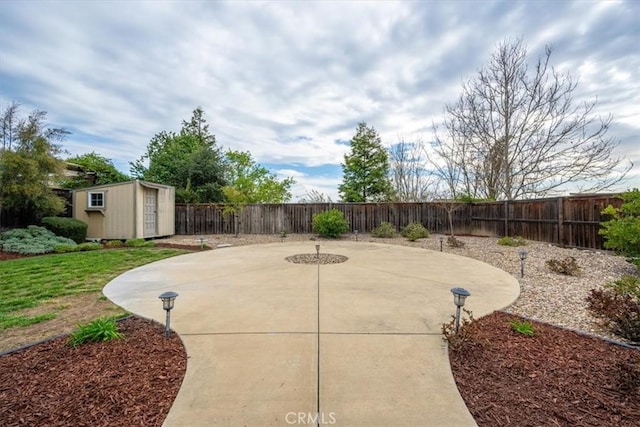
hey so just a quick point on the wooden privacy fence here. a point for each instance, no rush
(568, 221)
(297, 218)
(572, 221)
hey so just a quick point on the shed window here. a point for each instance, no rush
(96, 200)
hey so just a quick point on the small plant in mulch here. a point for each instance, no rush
(414, 231)
(89, 246)
(458, 340)
(114, 244)
(63, 249)
(512, 241)
(99, 330)
(385, 230)
(523, 327)
(618, 306)
(567, 266)
(454, 243)
(139, 243)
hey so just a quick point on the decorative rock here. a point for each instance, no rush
(313, 259)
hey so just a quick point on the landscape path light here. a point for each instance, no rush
(168, 300)
(201, 243)
(441, 240)
(523, 255)
(318, 252)
(459, 295)
(356, 231)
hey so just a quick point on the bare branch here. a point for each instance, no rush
(515, 134)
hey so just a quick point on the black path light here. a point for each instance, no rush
(459, 295)
(523, 255)
(441, 240)
(168, 299)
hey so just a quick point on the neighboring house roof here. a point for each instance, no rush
(134, 181)
(71, 170)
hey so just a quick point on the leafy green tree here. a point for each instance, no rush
(623, 230)
(188, 160)
(28, 163)
(366, 168)
(253, 182)
(98, 170)
(250, 182)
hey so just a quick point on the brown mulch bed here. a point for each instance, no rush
(5, 256)
(554, 378)
(116, 383)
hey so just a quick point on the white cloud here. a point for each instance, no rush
(288, 80)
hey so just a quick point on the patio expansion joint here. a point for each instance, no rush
(311, 333)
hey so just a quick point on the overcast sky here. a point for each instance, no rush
(289, 81)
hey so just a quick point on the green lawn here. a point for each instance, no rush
(28, 282)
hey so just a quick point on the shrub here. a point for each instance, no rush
(89, 246)
(626, 285)
(114, 244)
(454, 243)
(139, 243)
(622, 232)
(63, 249)
(70, 228)
(568, 266)
(620, 313)
(331, 223)
(512, 241)
(103, 329)
(414, 231)
(523, 327)
(384, 230)
(32, 240)
(457, 341)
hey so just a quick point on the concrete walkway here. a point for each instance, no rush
(271, 343)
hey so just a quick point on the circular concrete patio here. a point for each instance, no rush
(276, 343)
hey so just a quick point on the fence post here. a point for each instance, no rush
(188, 219)
(506, 217)
(561, 221)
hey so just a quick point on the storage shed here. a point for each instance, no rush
(126, 210)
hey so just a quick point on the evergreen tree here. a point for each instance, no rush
(188, 160)
(365, 169)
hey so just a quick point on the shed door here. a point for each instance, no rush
(150, 220)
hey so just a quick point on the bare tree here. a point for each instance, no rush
(515, 134)
(411, 176)
(10, 125)
(314, 196)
